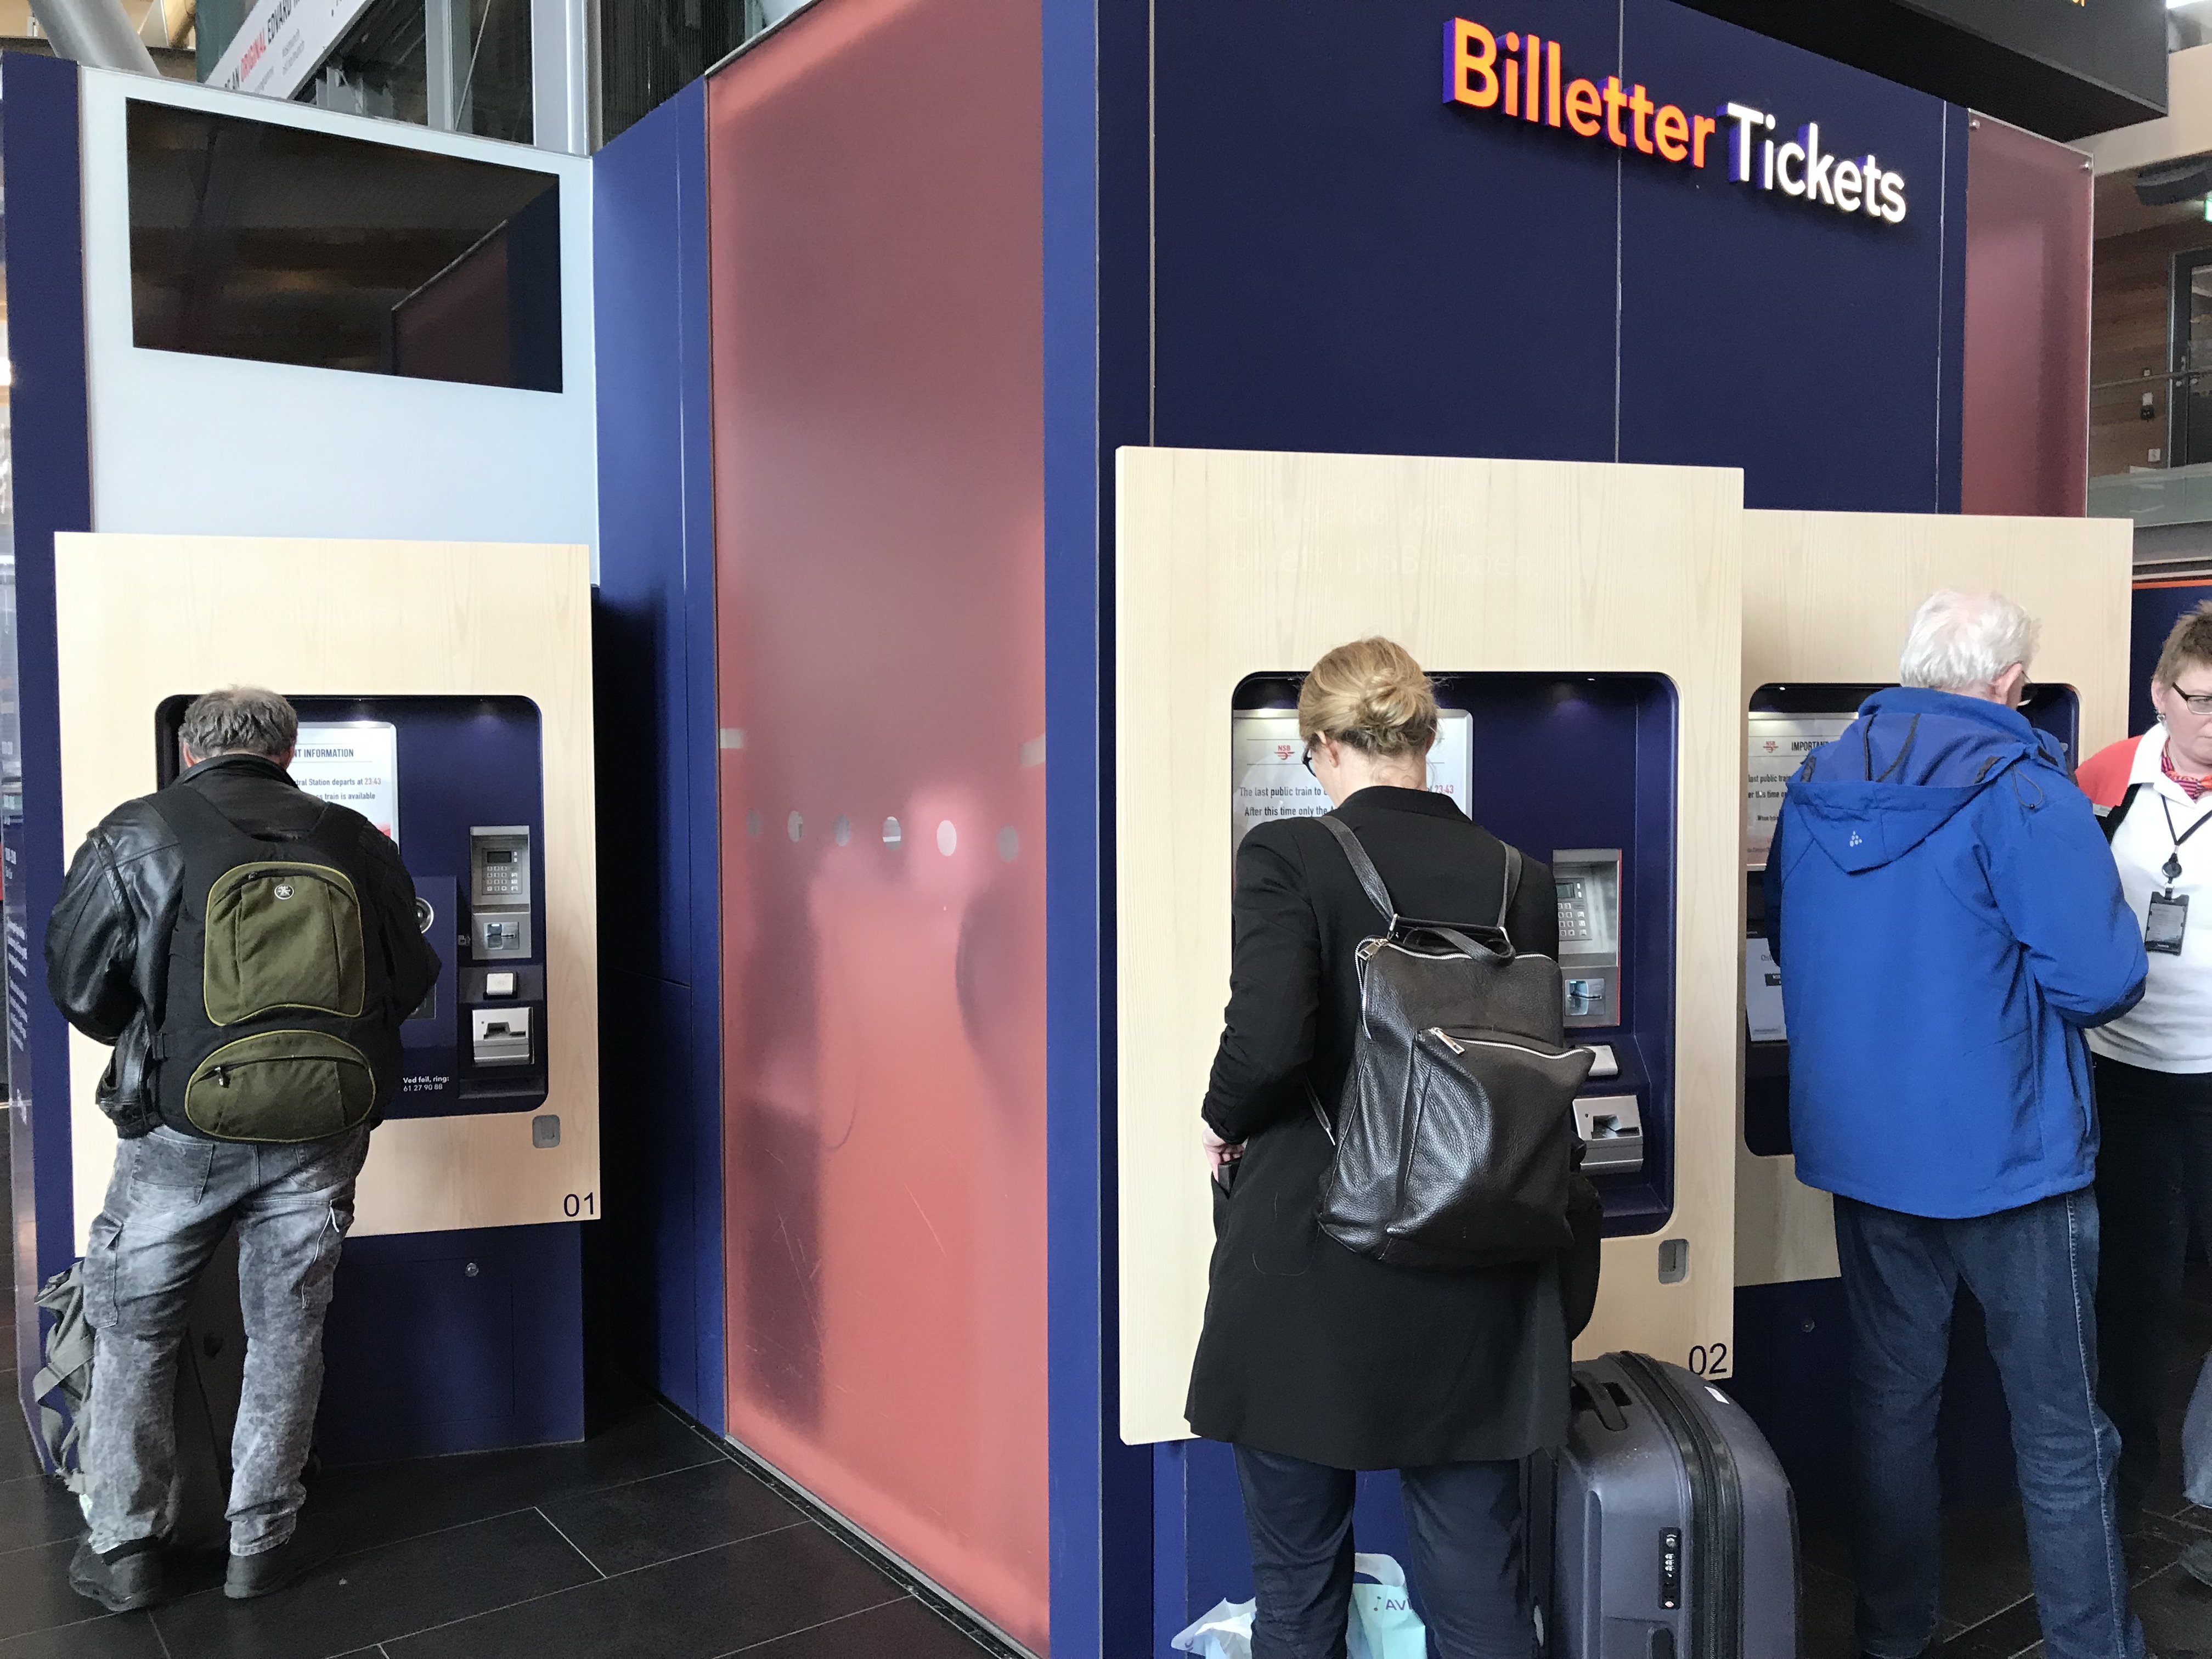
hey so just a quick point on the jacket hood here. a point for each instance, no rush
(1911, 761)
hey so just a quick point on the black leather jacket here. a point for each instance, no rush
(107, 941)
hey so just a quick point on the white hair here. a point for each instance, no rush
(1958, 641)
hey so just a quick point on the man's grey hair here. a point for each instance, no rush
(239, 719)
(1958, 641)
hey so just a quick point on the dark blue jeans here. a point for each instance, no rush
(2034, 1272)
(1465, 1522)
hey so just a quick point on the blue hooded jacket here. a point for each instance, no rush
(1948, 918)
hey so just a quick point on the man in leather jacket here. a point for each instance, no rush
(175, 1192)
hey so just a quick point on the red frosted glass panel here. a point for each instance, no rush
(2025, 421)
(876, 222)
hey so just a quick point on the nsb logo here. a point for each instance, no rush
(1524, 76)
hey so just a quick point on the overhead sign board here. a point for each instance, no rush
(2063, 68)
(281, 44)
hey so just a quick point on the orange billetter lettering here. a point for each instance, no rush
(1702, 127)
(1471, 74)
(1670, 131)
(1584, 113)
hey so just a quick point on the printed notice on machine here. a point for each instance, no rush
(354, 763)
(1267, 759)
(1779, 743)
(1762, 993)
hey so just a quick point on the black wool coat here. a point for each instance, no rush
(1310, 1349)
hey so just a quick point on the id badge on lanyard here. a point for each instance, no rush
(2165, 922)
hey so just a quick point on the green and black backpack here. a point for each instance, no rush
(276, 1026)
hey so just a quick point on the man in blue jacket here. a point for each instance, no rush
(1948, 920)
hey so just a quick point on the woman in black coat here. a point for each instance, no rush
(1315, 1361)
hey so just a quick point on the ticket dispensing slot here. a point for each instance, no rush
(1517, 753)
(1610, 1127)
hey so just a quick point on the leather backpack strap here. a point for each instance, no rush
(2109, 818)
(1512, 885)
(1370, 878)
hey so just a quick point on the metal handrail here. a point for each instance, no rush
(2145, 380)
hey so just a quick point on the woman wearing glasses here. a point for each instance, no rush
(1316, 1362)
(2153, 1064)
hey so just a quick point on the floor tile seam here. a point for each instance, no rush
(75, 1531)
(539, 1511)
(523, 1506)
(570, 1589)
(708, 1549)
(433, 1531)
(1983, 1624)
(66, 1624)
(824, 1624)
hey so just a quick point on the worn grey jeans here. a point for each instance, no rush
(168, 1204)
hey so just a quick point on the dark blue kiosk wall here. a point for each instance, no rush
(1302, 245)
(1346, 261)
(1263, 227)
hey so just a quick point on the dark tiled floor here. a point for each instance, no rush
(1989, 1606)
(647, 1539)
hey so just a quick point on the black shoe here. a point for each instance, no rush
(123, 1580)
(249, 1576)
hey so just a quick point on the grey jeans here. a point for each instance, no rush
(171, 1200)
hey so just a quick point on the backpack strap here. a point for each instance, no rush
(2108, 817)
(1370, 878)
(1371, 883)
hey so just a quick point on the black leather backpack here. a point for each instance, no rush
(1456, 1137)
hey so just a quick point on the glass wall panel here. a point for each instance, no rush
(878, 494)
(2024, 443)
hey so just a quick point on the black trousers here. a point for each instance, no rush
(1465, 1522)
(2153, 1173)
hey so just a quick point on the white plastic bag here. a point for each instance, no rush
(1383, 1623)
(2197, 1441)
(1224, 1633)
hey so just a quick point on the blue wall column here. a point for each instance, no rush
(45, 256)
(655, 1264)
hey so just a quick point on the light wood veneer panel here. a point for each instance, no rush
(144, 617)
(1230, 564)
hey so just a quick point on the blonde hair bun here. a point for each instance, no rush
(1372, 695)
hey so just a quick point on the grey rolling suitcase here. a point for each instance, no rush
(1674, 1533)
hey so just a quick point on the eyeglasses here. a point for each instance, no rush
(1305, 758)
(2199, 702)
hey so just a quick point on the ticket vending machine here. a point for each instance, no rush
(1581, 623)
(458, 784)
(1552, 763)
(445, 692)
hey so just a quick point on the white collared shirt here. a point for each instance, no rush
(2171, 1029)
